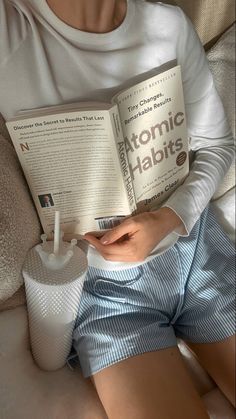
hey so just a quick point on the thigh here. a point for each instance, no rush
(219, 360)
(154, 385)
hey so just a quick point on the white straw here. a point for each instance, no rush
(57, 233)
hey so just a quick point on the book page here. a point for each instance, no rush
(70, 162)
(153, 120)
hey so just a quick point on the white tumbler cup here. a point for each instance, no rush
(53, 297)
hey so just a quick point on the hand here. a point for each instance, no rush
(135, 238)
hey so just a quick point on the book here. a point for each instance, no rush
(96, 162)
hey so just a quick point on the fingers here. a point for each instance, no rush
(105, 249)
(132, 240)
(125, 251)
(124, 229)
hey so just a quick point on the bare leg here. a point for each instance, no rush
(154, 385)
(219, 360)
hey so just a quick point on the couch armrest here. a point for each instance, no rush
(211, 18)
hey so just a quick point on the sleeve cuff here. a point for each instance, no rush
(180, 230)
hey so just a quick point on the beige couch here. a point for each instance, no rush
(26, 392)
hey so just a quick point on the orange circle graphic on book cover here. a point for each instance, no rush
(181, 158)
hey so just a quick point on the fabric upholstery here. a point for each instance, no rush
(17, 299)
(19, 225)
(222, 63)
(210, 17)
(218, 406)
(30, 393)
(199, 12)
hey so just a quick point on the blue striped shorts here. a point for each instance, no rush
(187, 292)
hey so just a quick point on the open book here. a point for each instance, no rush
(97, 163)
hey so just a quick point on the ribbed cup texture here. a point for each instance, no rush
(52, 301)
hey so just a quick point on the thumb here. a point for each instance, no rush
(116, 233)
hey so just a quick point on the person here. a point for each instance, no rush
(46, 201)
(137, 299)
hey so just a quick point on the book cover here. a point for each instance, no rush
(97, 163)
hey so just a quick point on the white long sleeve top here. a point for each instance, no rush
(44, 62)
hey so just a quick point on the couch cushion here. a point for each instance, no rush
(221, 59)
(19, 225)
(210, 17)
(222, 63)
(26, 392)
(17, 299)
(218, 406)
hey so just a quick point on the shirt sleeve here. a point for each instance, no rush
(211, 139)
